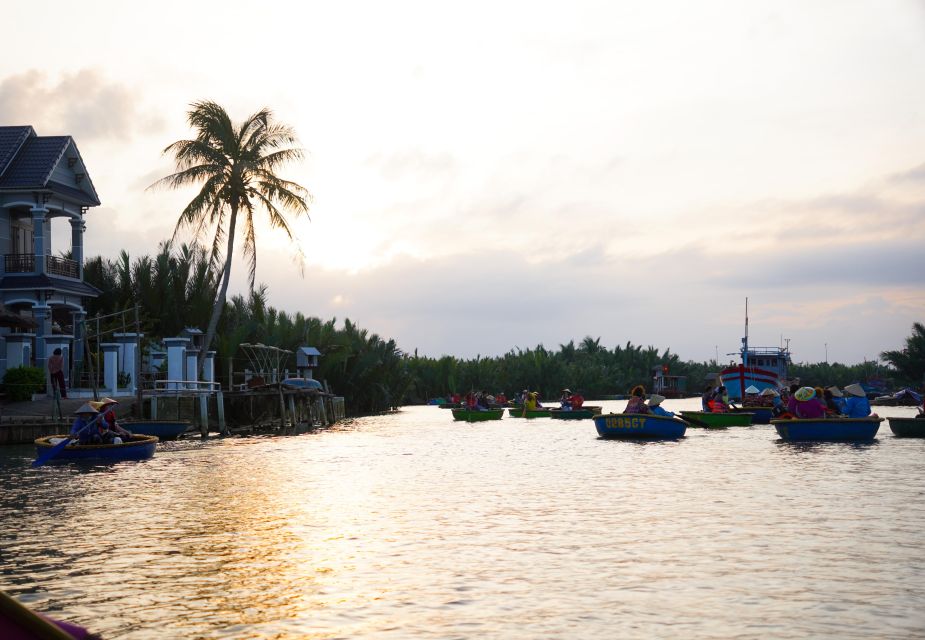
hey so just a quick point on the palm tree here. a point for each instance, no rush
(910, 361)
(235, 163)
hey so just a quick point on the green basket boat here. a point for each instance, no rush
(585, 413)
(717, 420)
(464, 415)
(520, 412)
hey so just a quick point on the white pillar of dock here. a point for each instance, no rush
(128, 343)
(110, 367)
(176, 360)
(192, 371)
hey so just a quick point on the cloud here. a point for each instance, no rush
(83, 104)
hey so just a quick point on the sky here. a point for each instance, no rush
(498, 175)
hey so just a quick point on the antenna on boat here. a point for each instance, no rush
(745, 339)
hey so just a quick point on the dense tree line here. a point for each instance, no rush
(175, 289)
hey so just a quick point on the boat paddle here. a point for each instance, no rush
(694, 421)
(48, 454)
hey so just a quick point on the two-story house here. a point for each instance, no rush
(43, 180)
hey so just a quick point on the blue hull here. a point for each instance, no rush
(163, 429)
(141, 448)
(633, 425)
(761, 415)
(832, 429)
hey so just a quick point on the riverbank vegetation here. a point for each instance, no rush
(174, 289)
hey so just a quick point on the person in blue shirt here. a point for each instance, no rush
(655, 406)
(838, 399)
(856, 405)
(84, 428)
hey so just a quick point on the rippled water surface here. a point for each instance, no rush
(408, 525)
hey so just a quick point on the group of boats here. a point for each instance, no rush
(140, 446)
(650, 426)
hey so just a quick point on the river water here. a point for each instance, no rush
(408, 525)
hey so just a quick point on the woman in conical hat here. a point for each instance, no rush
(856, 405)
(655, 406)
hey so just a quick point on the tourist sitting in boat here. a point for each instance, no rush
(720, 401)
(857, 405)
(807, 405)
(791, 400)
(705, 397)
(772, 398)
(637, 401)
(500, 398)
(655, 406)
(111, 431)
(752, 398)
(565, 400)
(577, 401)
(831, 396)
(85, 428)
(533, 401)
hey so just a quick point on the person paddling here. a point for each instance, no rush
(84, 428)
(655, 406)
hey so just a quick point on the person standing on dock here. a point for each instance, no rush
(56, 371)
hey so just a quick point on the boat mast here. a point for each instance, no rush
(745, 339)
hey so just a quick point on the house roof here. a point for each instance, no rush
(27, 162)
(32, 282)
(309, 351)
(11, 138)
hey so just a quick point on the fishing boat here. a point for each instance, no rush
(520, 412)
(575, 414)
(710, 420)
(828, 429)
(139, 447)
(639, 425)
(760, 367)
(466, 415)
(163, 429)
(908, 427)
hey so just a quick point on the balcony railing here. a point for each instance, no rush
(25, 263)
(62, 267)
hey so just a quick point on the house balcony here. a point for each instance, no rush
(54, 266)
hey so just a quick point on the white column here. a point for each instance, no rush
(110, 367)
(39, 239)
(77, 245)
(208, 367)
(128, 353)
(42, 315)
(192, 375)
(176, 359)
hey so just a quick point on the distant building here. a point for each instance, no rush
(42, 179)
(667, 385)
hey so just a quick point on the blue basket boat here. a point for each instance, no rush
(828, 429)
(760, 415)
(639, 425)
(138, 448)
(163, 429)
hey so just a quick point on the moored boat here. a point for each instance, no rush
(520, 412)
(760, 367)
(139, 447)
(828, 429)
(465, 415)
(575, 414)
(710, 420)
(908, 427)
(639, 425)
(163, 429)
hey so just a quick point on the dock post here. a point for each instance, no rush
(154, 407)
(220, 410)
(204, 415)
(292, 413)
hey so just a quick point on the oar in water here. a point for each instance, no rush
(48, 454)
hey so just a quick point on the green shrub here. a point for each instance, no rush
(20, 383)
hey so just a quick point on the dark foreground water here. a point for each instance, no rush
(411, 526)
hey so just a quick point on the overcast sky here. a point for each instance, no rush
(490, 175)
